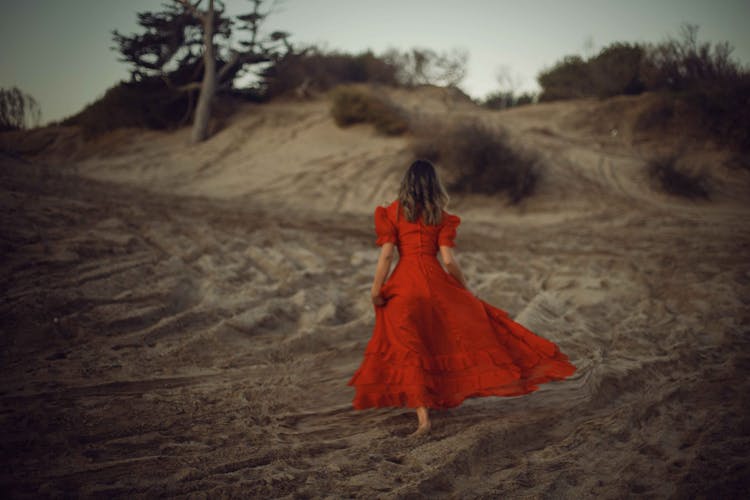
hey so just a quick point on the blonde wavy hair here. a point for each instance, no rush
(421, 192)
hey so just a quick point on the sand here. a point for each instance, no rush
(182, 320)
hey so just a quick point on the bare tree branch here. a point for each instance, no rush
(189, 86)
(228, 66)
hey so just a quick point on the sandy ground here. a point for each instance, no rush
(182, 321)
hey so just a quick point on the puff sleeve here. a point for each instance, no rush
(384, 229)
(447, 233)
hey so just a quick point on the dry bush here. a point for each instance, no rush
(656, 116)
(614, 71)
(478, 159)
(724, 110)
(683, 63)
(507, 99)
(18, 110)
(423, 66)
(145, 104)
(358, 105)
(314, 70)
(719, 112)
(672, 178)
(703, 77)
(568, 79)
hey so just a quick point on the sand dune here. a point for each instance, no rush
(183, 320)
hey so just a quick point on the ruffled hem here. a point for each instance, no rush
(395, 384)
(416, 396)
(391, 368)
(522, 361)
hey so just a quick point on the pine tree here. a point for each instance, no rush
(188, 48)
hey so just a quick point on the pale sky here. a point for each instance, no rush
(59, 51)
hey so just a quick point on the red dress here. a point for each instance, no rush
(435, 343)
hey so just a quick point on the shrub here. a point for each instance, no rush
(724, 110)
(478, 159)
(615, 70)
(422, 66)
(146, 104)
(704, 77)
(665, 172)
(684, 63)
(620, 68)
(656, 116)
(714, 89)
(357, 105)
(507, 99)
(18, 110)
(314, 70)
(568, 79)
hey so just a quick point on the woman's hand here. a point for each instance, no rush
(378, 299)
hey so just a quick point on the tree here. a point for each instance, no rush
(189, 49)
(569, 78)
(426, 67)
(18, 110)
(617, 70)
(208, 85)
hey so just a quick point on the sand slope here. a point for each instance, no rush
(183, 320)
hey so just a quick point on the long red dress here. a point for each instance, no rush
(435, 343)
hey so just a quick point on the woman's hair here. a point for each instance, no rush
(421, 192)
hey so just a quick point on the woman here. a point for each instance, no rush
(435, 343)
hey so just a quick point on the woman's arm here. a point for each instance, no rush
(451, 264)
(381, 272)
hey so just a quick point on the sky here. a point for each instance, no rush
(60, 51)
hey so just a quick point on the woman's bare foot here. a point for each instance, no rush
(422, 429)
(424, 423)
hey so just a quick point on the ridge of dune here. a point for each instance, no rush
(182, 320)
(292, 153)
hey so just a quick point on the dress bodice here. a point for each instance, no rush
(413, 238)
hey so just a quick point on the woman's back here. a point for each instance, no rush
(414, 238)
